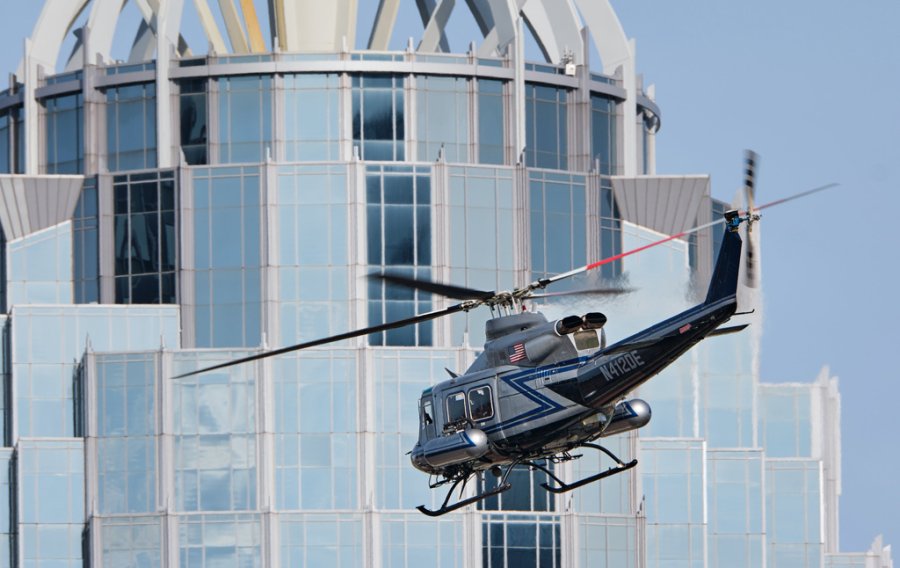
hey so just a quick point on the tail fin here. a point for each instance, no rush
(725, 274)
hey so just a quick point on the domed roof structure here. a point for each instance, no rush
(307, 26)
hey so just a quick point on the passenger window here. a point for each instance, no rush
(586, 339)
(481, 406)
(456, 408)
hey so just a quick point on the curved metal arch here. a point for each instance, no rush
(556, 28)
(101, 28)
(556, 25)
(495, 19)
(435, 14)
(501, 16)
(102, 25)
(314, 25)
(609, 37)
(154, 13)
(48, 34)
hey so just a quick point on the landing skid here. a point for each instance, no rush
(564, 487)
(501, 487)
(504, 485)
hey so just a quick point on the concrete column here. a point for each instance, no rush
(93, 113)
(518, 128)
(628, 110)
(164, 107)
(31, 120)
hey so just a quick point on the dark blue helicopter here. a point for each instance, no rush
(543, 389)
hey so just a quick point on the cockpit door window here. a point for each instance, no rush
(481, 405)
(427, 411)
(427, 418)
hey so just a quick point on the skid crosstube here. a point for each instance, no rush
(564, 487)
(445, 509)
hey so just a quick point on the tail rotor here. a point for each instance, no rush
(751, 160)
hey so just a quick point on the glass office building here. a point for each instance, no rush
(163, 210)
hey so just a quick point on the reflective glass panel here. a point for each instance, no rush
(312, 113)
(378, 117)
(491, 122)
(145, 238)
(227, 251)
(193, 120)
(603, 133)
(443, 118)
(245, 118)
(399, 240)
(546, 126)
(65, 134)
(131, 127)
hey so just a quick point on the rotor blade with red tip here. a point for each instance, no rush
(331, 339)
(547, 281)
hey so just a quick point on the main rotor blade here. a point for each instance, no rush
(589, 292)
(546, 281)
(331, 339)
(446, 290)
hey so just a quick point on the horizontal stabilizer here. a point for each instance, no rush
(727, 330)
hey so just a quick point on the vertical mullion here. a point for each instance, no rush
(159, 241)
(129, 270)
(382, 259)
(415, 241)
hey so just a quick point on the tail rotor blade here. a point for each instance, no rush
(751, 161)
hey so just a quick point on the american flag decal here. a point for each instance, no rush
(684, 328)
(516, 352)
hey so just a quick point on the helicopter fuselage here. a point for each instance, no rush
(541, 406)
(541, 388)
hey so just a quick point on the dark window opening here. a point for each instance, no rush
(456, 409)
(145, 238)
(481, 406)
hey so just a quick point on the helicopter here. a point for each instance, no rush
(541, 390)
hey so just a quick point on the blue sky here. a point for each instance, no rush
(812, 86)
